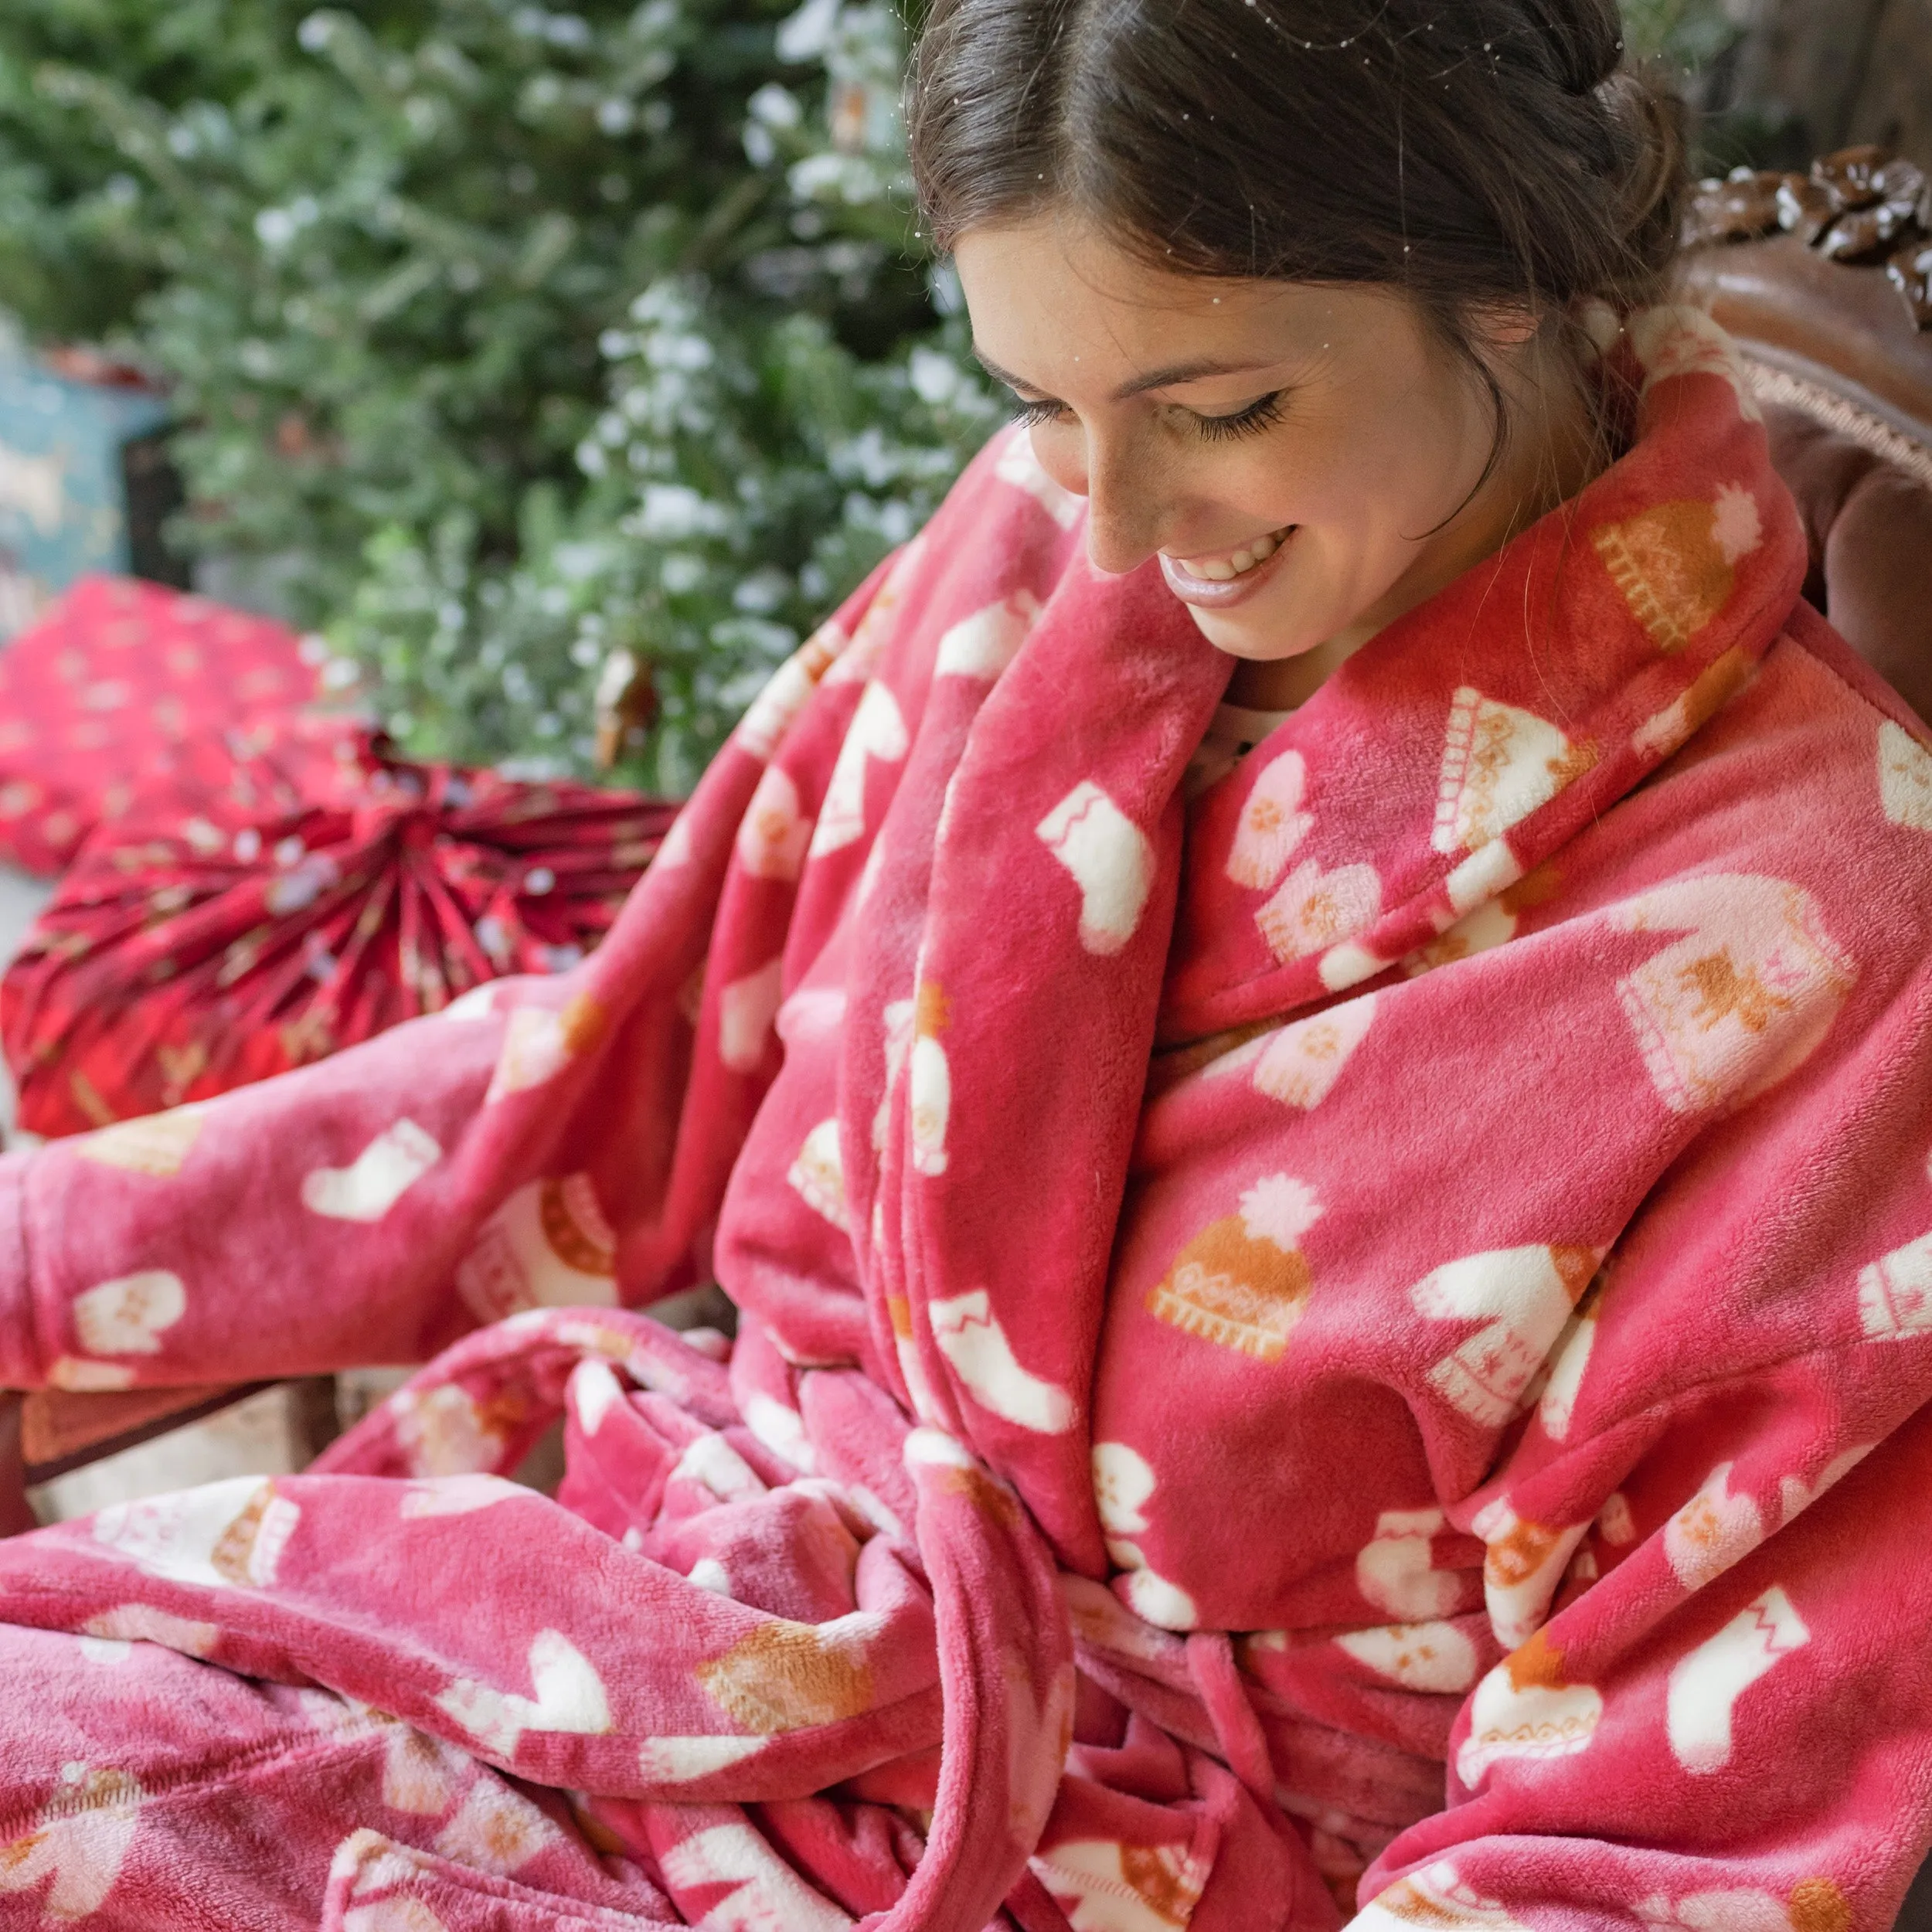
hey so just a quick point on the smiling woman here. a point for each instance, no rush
(1256, 330)
(1308, 461)
(1340, 1327)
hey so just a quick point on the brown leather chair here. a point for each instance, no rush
(1826, 281)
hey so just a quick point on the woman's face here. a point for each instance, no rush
(1295, 454)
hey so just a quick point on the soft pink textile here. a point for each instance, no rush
(1380, 1269)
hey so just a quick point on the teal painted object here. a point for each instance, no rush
(63, 476)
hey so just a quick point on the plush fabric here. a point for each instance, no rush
(1357, 1341)
(312, 902)
(127, 691)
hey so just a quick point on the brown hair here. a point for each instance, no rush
(1476, 153)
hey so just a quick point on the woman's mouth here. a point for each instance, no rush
(1226, 576)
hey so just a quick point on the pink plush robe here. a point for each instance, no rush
(1378, 1269)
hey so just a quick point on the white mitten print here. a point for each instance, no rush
(1300, 1064)
(126, 1316)
(1316, 909)
(1717, 1528)
(1273, 824)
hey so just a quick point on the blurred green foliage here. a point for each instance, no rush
(1687, 35)
(502, 336)
(506, 337)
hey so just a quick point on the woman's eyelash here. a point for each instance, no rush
(1034, 414)
(1263, 413)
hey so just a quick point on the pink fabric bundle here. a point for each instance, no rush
(1243, 1305)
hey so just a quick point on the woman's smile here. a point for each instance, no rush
(1215, 580)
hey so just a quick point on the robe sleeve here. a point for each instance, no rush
(1708, 1553)
(374, 1207)
(541, 1142)
(307, 1223)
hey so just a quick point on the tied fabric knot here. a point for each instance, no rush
(329, 891)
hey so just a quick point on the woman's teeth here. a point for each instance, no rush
(1223, 569)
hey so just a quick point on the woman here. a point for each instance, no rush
(1300, 1309)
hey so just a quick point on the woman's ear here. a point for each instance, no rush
(1503, 325)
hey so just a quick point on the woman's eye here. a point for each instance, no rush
(1263, 413)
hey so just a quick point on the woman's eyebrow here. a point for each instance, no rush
(999, 374)
(1166, 378)
(1179, 372)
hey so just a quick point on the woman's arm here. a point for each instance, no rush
(373, 1206)
(306, 1223)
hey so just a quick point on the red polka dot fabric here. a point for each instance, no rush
(123, 690)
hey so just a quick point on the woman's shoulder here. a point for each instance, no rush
(1816, 775)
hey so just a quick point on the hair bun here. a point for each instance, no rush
(1654, 144)
(1585, 39)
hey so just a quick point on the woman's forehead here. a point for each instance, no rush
(1051, 292)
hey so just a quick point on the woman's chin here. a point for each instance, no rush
(1247, 634)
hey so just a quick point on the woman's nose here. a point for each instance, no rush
(1124, 507)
